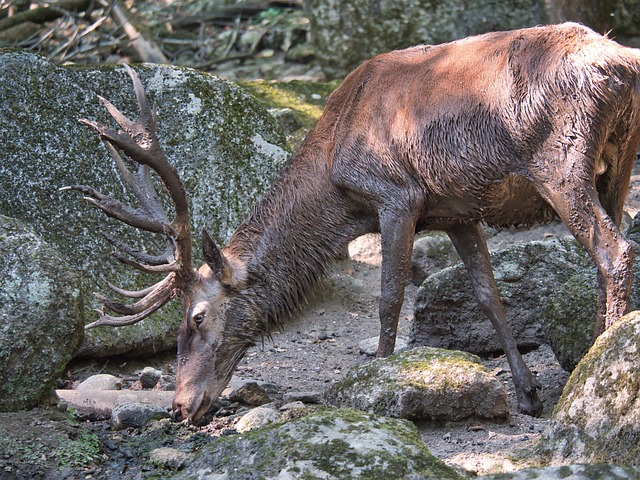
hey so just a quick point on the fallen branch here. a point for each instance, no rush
(45, 13)
(145, 48)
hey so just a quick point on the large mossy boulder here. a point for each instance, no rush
(448, 316)
(225, 146)
(329, 443)
(422, 383)
(597, 418)
(41, 316)
(347, 32)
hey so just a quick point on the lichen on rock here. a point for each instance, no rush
(326, 443)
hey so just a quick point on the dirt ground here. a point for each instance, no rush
(316, 349)
(321, 345)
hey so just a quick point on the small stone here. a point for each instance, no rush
(286, 119)
(136, 415)
(249, 393)
(169, 458)
(101, 381)
(257, 417)
(306, 397)
(150, 377)
(297, 405)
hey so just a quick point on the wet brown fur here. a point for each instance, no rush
(506, 128)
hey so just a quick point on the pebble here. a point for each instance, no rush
(150, 377)
(248, 392)
(370, 345)
(257, 417)
(306, 397)
(297, 405)
(136, 415)
(169, 458)
(101, 381)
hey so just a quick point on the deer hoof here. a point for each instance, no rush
(530, 404)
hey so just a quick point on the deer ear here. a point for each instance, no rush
(216, 260)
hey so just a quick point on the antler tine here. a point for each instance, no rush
(132, 293)
(147, 115)
(138, 255)
(140, 185)
(128, 319)
(158, 291)
(118, 210)
(137, 144)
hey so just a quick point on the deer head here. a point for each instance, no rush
(205, 361)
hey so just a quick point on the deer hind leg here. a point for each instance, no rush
(612, 187)
(472, 248)
(596, 228)
(397, 230)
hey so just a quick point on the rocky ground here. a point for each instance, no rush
(316, 349)
(324, 341)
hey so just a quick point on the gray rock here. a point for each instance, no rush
(149, 377)
(257, 417)
(136, 415)
(424, 382)
(326, 444)
(295, 405)
(569, 318)
(41, 315)
(225, 146)
(248, 392)
(431, 253)
(286, 119)
(99, 404)
(597, 419)
(346, 32)
(306, 397)
(571, 472)
(369, 346)
(448, 316)
(169, 458)
(100, 381)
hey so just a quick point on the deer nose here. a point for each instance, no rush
(179, 412)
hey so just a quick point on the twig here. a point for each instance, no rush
(146, 49)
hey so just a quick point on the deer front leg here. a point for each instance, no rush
(472, 248)
(397, 232)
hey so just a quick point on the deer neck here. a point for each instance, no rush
(294, 234)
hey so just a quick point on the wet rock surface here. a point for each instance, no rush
(448, 316)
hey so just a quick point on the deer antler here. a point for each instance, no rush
(137, 141)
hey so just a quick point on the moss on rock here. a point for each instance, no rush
(597, 418)
(224, 144)
(569, 319)
(41, 316)
(423, 382)
(327, 443)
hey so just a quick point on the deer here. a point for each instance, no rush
(503, 128)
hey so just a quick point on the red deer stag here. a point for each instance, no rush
(504, 128)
